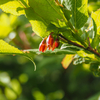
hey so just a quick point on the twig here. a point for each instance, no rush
(22, 4)
(70, 42)
(89, 42)
(78, 45)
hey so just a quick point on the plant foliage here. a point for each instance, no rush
(78, 31)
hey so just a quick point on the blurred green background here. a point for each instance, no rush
(19, 81)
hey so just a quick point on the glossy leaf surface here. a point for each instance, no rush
(79, 11)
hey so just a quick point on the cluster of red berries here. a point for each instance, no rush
(49, 42)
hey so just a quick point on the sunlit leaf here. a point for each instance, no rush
(15, 7)
(95, 29)
(42, 13)
(66, 61)
(84, 54)
(96, 17)
(93, 6)
(5, 48)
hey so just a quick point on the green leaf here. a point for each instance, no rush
(84, 54)
(39, 26)
(79, 11)
(51, 27)
(15, 7)
(95, 68)
(84, 36)
(94, 32)
(42, 13)
(48, 52)
(79, 60)
(67, 60)
(5, 48)
(69, 35)
(93, 6)
(70, 47)
(67, 13)
(95, 42)
(96, 20)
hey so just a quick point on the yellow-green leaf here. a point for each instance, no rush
(84, 54)
(67, 60)
(15, 7)
(96, 17)
(5, 48)
(43, 12)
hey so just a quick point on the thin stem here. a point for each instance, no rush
(78, 45)
(22, 4)
(93, 51)
(89, 42)
(70, 42)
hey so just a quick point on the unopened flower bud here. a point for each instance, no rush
(43, 45)
(50, 40)
(57, 43)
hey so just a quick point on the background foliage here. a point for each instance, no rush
(19, 81)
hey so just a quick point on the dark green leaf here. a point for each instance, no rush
(52, 27)
(67, 13)
(95, 68)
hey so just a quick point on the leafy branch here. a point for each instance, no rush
(68, 22)
(89, 48)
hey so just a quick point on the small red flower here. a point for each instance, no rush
(43, 45)
(50, 40)
(57, 43)
(49, 43)
(53, 46)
